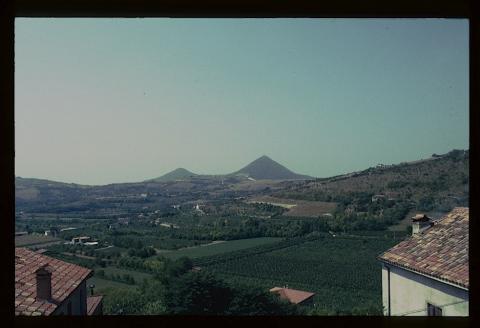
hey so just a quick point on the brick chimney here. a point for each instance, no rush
(420, 223)
(44, 282)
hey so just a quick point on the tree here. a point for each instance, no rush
(253, 301)
(196, 293)
(124, 301)
(155, 308)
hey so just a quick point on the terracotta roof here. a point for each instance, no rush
(292, 295)
(66, 277)
(440, 251)
(92, 303)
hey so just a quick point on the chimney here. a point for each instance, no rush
(420, 223)
(44, 282)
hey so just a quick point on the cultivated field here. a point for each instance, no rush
(103, 286)
(220, 248)
(342, 271)
(137, 276)
(298, 208)
(31, 240)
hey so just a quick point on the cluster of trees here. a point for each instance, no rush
(135, 263)
(178, 290)
(143, 252)
(125, 241)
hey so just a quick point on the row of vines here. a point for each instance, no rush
(342, 271)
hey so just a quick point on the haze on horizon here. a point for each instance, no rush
(100, 101)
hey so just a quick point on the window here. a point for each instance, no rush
(69, 308)
(433, 310)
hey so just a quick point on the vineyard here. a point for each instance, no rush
(342, 271)
(220, 248)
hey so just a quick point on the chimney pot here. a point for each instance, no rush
(44, 282)
(420, 223)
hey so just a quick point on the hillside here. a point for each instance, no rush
(440, 182)
(264, 168)
(177, 174)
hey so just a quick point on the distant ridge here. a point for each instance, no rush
(177, 174)
(266, 168)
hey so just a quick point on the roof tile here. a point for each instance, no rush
(65, 278)
(440, 251)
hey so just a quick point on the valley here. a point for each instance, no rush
(260, 227)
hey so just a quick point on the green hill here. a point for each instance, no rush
(177, 174)
(439, 183)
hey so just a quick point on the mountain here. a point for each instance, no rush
(266, 168)
(177, 174)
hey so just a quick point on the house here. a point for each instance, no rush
(294, 296)
(53, 231)
(198, 209)
(376, 198)
(124, 221)
(47, 286)
(427, 274)
(79, 240)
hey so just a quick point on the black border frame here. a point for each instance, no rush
(231, 9)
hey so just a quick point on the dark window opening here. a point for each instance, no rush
(69, 308)
(433, 311)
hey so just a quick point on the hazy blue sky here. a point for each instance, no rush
(117, 100)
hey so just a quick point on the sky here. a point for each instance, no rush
(101, 101)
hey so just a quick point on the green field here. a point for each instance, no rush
(220, 248)
(137, 276)
(34, 239)
(111, 250)
(342, 271)
(103, 286)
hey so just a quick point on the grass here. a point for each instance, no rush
(137, 276)
(111, 250)
(220, 248)
(298, 208)
(103, 286)
(30, 240)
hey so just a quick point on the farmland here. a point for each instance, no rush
(220, 248)
(298, 208)
(34, 239)
(200, 235)
(103, 286)
(342, 271)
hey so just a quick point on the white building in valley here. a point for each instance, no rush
(427, 274)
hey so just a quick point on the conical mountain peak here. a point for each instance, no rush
(266, 168)
(177, 174)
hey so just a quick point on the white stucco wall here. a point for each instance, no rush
(410, 292)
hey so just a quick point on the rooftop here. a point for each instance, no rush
(440, 252)
(66, 277)
(92, 303)
(292, 295)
